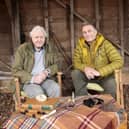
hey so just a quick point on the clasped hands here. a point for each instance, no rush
(39, 78)
(91, 73)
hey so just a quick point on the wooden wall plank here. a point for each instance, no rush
(32, 13)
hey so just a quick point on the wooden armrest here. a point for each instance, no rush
(59, 78)
(119, 88)
(17, 86)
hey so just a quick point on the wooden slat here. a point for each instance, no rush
(9, 8)
(121, 90)
(18, 100)
(117, 78)
(97, 14)
(59, 77)
(46, 18)
(72, 25)
(14, 19)
(121, 19)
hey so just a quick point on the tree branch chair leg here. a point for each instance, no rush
(17, 98)
(119, 88)
(59, 78)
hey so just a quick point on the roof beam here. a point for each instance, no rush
(75, 13)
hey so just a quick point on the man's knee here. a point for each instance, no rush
(52, 88)
(32, 90)
(54, 91)
(109, 86)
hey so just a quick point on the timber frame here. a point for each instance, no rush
(13, 10)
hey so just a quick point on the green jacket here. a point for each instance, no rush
(101, 55)
(24, 61)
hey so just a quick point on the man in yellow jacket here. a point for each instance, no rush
(95, 60)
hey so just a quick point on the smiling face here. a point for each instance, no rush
(89, 33)
(38, 35)
(38, 39)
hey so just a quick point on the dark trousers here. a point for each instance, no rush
(80, 82)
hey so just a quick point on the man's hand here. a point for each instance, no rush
(39, 78)
(91, 73)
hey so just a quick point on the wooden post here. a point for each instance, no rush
(117, 78)
(17, 25)
(97, 14)
(121, 25)
(18, 100)
(119, 88)
(59, 77)
(13, 10)
(72, 26)
(46, 18)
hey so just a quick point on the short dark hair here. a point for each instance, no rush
(87, 23)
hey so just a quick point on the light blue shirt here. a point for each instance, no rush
(39, 63)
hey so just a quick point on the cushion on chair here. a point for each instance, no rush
(23, 94)
(95, 87)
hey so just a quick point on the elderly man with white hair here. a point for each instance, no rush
(35, 65)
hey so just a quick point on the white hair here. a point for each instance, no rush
(38, 28)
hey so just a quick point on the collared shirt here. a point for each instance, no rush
(39, 64)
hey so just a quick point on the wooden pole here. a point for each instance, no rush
(72, 25)
(97, 14)
(10, 11)
(13, 10)
(46, 18)
(59, 77)
(18, 100)
(121, 90)
(17, 25)
(117, 78)
(121, 25)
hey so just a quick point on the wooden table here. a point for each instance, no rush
(77, 117)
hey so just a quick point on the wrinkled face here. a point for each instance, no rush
(89, 33)
(38, 39)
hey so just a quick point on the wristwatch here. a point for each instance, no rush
(48, 71)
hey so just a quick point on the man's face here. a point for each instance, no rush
(89, 33)
(38, 39)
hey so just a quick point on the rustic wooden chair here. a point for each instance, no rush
(17, 96)
(119, 89)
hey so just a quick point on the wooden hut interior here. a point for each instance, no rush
(62, 20)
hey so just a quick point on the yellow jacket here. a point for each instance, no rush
(101, 55)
